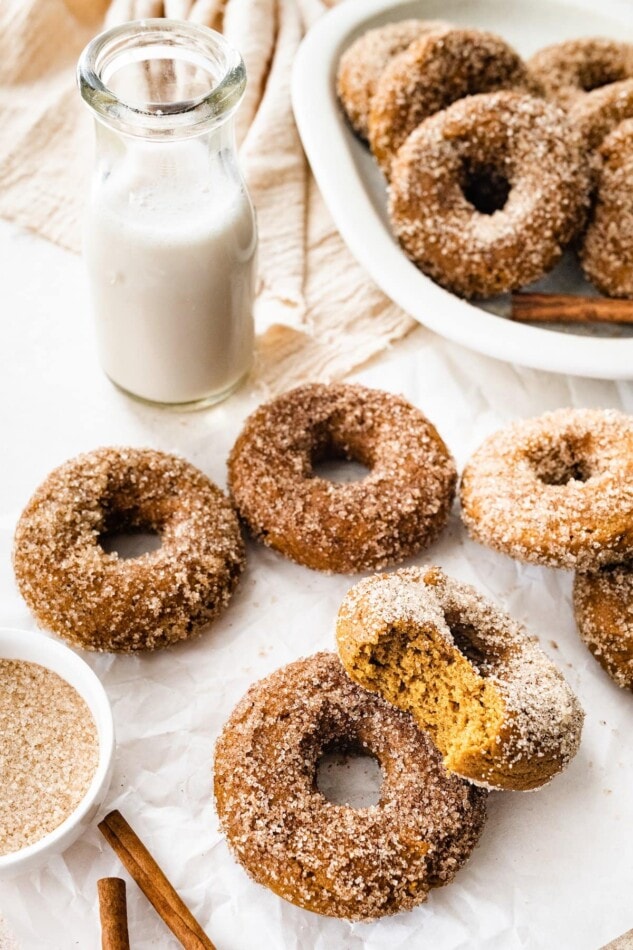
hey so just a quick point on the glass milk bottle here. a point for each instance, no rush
(170, 236)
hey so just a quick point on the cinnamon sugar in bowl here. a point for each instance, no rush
(56, 749)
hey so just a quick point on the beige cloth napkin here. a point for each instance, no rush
(317, 313)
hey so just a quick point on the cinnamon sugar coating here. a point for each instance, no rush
(362, 64)
(434, 72)
(399, 508)
(98, 601)
(483, 142)
(359, 864)
(495, 706)
(571, 70)
(599, 113)
(606, 254)
(49, 753)
(555, 490)
(603, 607)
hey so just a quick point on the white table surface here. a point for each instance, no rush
(554, 869)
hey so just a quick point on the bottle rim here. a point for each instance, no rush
(142, 41)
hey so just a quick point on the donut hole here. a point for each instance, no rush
(336, 460)
(485, 187)
(130, 544)
(596, 83)
(469, 645)
(341, 470)
(604, 75)
(349, 776)
(560, 463)
(128, 535)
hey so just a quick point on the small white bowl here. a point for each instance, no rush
(37, 648)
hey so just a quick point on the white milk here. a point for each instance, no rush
(170, 250)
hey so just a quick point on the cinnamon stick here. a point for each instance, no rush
(568, 308)
(623, 942)
(113, 914)
(151, 880)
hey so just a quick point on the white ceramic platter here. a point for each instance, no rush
(354, 190)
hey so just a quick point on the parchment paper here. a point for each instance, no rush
(554, 868)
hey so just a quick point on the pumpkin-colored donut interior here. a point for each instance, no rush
(418, 670)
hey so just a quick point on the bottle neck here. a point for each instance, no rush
(114, 144)
(162, 80)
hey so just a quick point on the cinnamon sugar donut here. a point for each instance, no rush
(449, 177)
(100, 602)
(433, 72)
(498, 710)
(603, 605)
(606, 254)
(397, 509)
(362, 64)
(359, 864)
(600, 112)
(556, 490)
(570, 70)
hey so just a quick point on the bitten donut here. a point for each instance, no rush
(101, 602)
(362, 64)
(485, 195)
(603, 606)
(606, 254)
(397, 509)
(359, 864)
(498, 710)
(556, 490)
(570, 70)
(433, 72)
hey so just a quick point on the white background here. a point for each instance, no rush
(554, 868)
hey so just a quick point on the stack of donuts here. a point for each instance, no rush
(445, 690)
(495, 165)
